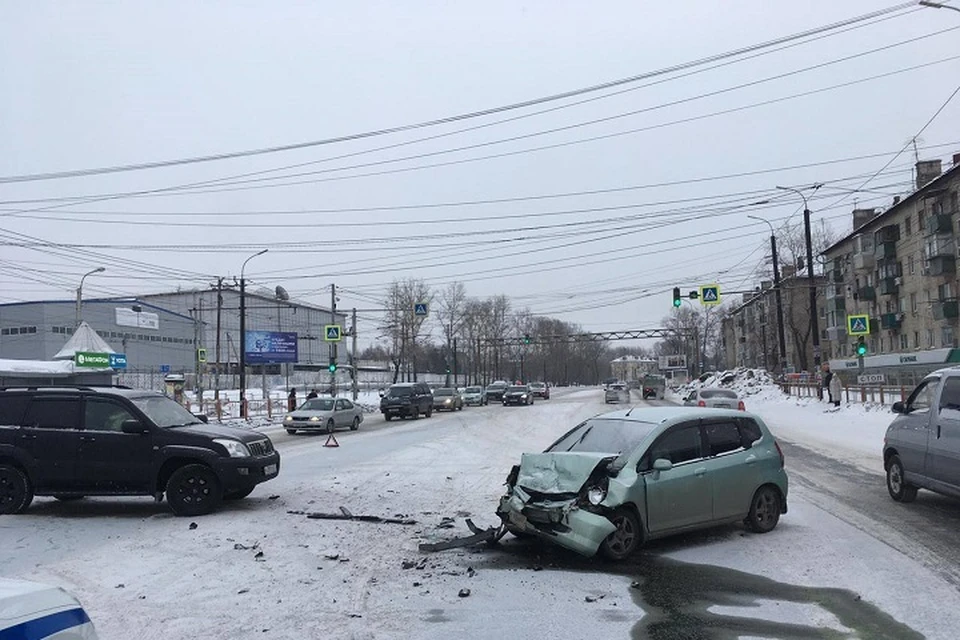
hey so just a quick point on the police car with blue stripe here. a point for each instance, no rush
(32, 611)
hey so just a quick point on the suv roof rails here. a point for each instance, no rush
(78, 387)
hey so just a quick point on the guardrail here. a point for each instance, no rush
(877, 394)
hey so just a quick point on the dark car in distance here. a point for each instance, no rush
(407, 400)
(496, 390)
(518, 394)
(76, 441)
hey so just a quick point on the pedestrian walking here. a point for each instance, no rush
(825, 382)
(835, 389)
(292, 399)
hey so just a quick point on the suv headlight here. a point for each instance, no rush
(235, 448)
(314, 418)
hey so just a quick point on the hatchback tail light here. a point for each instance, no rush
(701, 403)
(779, 451)
(741, 406)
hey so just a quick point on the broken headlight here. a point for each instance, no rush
(596, 495)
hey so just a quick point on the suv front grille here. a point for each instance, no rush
(261, 448)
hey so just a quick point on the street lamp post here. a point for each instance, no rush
(937, 5)
(80, 292)
(776, 287)
(814, 321)
(243, 335)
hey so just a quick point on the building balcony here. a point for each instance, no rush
(836, 334)
(887, 234)
(942, 265)
(869, 294)
(864, 261)
(885, 250)
(939, 224)
(946, 310)
(835, 276)
(889, 286)
(836, 304)
(892, 321)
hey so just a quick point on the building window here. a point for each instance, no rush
(946, 337)
(945, 292)
(901, 305)
(916, 339)
(904, 341)
(930, 339)
(920, 220)
(907, 226)
(911, 268)
(913, 303)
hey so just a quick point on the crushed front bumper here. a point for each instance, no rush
(559, 521)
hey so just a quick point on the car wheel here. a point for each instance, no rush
(898, 488)
(238, 495)
(414, 413)
(291, 431)
(429, 412)
(764, 510)
(356, 423)
(460, 408)
(387, 417)
(627, 537)
(16, 490)
(194, 490)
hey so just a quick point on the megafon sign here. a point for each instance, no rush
(92, 360)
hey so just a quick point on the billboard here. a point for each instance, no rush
(673, 362)
(267, 347)
(140, 319)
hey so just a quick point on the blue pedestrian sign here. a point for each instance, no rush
(710, 294)
(164, 368)
(118, 361)
(420, 309)
(858, 325)
(332, 332)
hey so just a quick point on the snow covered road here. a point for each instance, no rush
(253, 569)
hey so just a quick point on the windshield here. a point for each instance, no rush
(318, 404)
(164, 412)
(718, 393)
(537, 385)
(496, 385)
(399, 392)
(443, 392)
(604, 435)
(472, 390)
(517, 389)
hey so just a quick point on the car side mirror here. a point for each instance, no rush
(202, 417)
(899, 407)
(133, 426)
(662, 464)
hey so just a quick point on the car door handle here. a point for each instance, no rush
(702, 471)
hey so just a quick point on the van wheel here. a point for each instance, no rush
(194, 490)
(627, 537)
(764, 510)
(16, 490)
(898, 488)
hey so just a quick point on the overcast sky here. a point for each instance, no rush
(90, 85)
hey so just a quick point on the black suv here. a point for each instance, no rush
(71, 442)
(408, 399)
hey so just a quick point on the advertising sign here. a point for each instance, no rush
(92, 360)
(127, 317)
(678, 361)
(267, 347)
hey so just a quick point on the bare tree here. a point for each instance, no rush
(401, 325)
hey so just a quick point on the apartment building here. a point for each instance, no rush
(899, 267)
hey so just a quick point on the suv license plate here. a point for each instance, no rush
(270, 469)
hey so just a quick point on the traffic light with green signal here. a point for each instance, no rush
(861, 347)
(332, 367)
(526, 338)
(676, 297)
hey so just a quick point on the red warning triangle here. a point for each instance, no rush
(331, 441)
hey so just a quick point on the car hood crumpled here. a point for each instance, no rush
(558, 472)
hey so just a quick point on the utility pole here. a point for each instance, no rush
(216, 372)
(353, 336)
(243, 335)
(814, 320)
(454, 362)
(781, 339)
(333, 345)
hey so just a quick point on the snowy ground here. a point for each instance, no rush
(255, 570)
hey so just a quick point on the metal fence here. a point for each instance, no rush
(877, 394)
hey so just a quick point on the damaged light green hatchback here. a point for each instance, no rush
(625, 477)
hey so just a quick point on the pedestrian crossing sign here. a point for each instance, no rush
(421, 309)
(858, 325)
(331, 332)
(710, 294)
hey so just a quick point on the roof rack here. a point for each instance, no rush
(77, 387)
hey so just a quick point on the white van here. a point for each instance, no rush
(32, 610)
